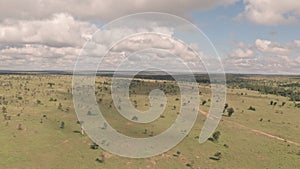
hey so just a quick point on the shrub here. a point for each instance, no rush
(94, 146)
(20, 127)
(62, 125)
(38, 102)
(251, 108)
(59, 106)
(215, 136)
(226, 106)
(230, 111)
(4, 110)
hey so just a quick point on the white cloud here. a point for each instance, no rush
(100, 9)
(44, 49)
(142, 50)
(242, 53)
(271, 12)
(297, 43)
(267, 46)
(58, 30)
(264, 56)
(38, 57)
(297, 59)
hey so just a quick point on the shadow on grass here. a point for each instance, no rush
(76, 131)
(100, 161)
(214, 158)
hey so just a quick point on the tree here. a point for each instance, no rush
(216, 136)
(20, 127)
(251, 108)
(62, 125)
(225, 107)
(38, 102)
(217, 156)
(59, 107)
(4, 110)
(51, 84)
(230, 111)
(94, 146)
(204, 102)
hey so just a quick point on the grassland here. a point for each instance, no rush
(32, 137)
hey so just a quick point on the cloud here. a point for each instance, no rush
(297, 43)
(41, 45)
(266, 46)
(242, 53)
(271, 12)
(297, 59)
(264, 56)
(38, 57)
(59, 30)
(100, 9)
(142, 50)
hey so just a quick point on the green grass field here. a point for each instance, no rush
(32, 137)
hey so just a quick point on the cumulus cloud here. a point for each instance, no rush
(55, 43)
(38, 57)
(100, 9)
(57, 30)
(266, 46)
(271, 12)
(38, 34)
(142, 50)
(264, 56)
(242, 53)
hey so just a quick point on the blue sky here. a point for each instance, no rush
(223, 27)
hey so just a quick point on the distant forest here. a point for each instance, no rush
(290, 90)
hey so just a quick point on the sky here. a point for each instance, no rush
(251, 36)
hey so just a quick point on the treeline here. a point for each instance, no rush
(286, 90)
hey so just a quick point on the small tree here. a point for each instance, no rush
(204, 102)
(51, 84)
(4, 110)
(20, 127)
(59, 107)
(225, 107)
(251, 108)
(218, 155)
(62, 125)
(230, 111)
(94, 146)
(38, 102)
(216, 136)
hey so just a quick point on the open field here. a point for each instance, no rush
(33, 108)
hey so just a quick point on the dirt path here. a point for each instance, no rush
(257, 131)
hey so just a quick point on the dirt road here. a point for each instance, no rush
(255, 130)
